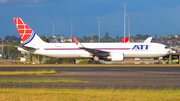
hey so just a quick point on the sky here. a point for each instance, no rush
(161, 17)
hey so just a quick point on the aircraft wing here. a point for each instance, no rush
(92, 51)
(96, 52)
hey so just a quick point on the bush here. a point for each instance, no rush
(51, 61)
(59, 61)
(67, 61)
(86, 61)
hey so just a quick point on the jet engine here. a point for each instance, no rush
(116, 57)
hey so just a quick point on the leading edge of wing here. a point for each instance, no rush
(92, 51)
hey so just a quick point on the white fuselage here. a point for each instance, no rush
(130, 50)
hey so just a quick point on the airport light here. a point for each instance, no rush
(129, 15)
(71, 29)
(53, 29)
(2, 49)
(91, 37)
(8, 53)
(38, 59)
(99, 27)
(125, 20)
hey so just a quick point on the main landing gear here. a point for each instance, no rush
(95, 60)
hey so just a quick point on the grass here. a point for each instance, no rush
(41, 80)
(27, 72)
(24, 94)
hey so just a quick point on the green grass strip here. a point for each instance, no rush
(41, 81)
(24, 94)
(27, 72)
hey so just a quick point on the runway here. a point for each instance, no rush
(101, 77)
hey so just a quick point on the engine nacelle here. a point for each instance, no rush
(116, 56)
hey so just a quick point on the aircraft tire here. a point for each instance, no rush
(98, 62)
(90, 62)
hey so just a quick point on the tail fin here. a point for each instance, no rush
(29, 38)
(125, 40)
(148, 40)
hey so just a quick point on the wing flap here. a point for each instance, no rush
(96, 52)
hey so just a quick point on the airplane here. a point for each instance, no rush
(94, 51)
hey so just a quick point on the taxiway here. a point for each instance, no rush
(129, 77)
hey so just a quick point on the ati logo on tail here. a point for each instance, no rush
(140, 47)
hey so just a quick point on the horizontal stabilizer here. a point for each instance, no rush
(27, 48)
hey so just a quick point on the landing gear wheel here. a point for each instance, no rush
(98, 62)
(94, 62)
(90, 62)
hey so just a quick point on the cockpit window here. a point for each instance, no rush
(166, 47)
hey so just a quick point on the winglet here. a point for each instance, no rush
(78, 43)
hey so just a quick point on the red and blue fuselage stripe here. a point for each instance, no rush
(82, 49)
